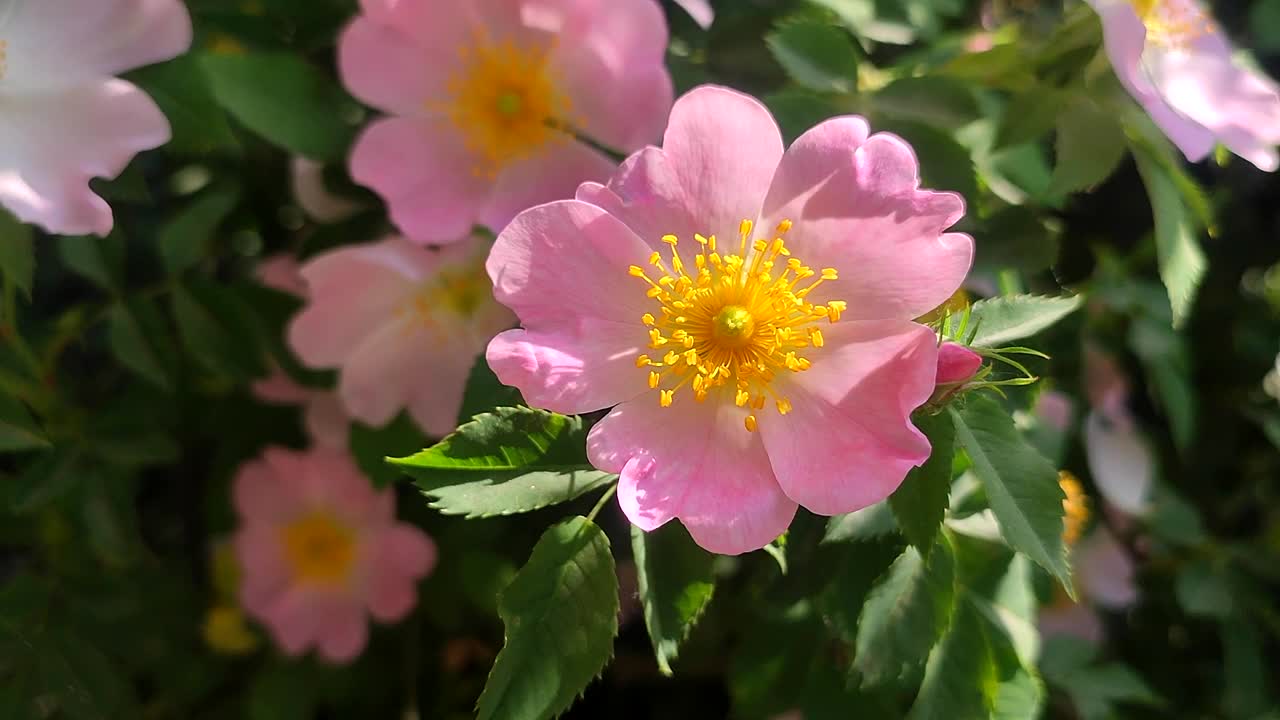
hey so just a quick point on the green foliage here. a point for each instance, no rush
(17, 253)
(1000, 320)
(816, 55)
(561, 614)
(1021, 485)
(959, 679)
(920, 501)
(513, 460)
(675, 585)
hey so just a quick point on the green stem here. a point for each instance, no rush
(608, 494)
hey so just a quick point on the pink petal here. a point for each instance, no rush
(615, 72)
(326, 420)
(856, 206)
(353, 290)
(848, 441)
(264, 574)
(427, 177)
(259, 496)
(1120, 462)
(435, 26)
(719, 153)
(552, 174)
(1240, 107)
(695, 461)
(296, 621)
(1073, 620)
(344, 633)
(404, 556)
(572, 371)
(1125, 36)
(58, 140)
(1055, 409)
(282, 272)
(307, 180)
(386, 67)
(436, 400)
(279, 389)
(1105, 571)
(53, 44)
(700, 10)
(956, 363)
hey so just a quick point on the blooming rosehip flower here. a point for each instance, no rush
(403, 323)
(318, 547)
(1177, 64)
(748, 312)
(486, 97)
(66, 119)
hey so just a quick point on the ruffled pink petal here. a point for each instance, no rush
(572, 372)
(296, 619)
(856, 206)
(345, 632)
(1240, 107)
(259, 496)
(326, 420)
(1125, 37)
(435, 402)
(426, 175)
(435, 26)
(54, 44)
(1105, 571)
(615, 73)
(404, 556)
(695, 461)
(848, 441)
(282, 272)
(1120, 462)
(306, 179)
(718, 155)
(385, 66)
(353, 291)
(552, 174)
(265, 576)
(57, 141)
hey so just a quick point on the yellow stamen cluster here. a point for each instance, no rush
(732, 323)
(1076, 507)
(459, 290)
(1173, 23)
(319, 549)
(505, 101)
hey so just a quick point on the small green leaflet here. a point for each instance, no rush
(675, 583)
(960, 680)
(1182, 263)
(512, 460)
(1021, 485)
(817, 55)
(999, 320)
(561, 615)
(921, 500)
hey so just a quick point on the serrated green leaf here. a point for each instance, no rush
(869, 523)
(285, 100)
(1000, 320)
(675, 583)
(18, 430)
(905, 614)
(134, 330)
(1181, 261)
(1021, 485)
(17, 252)
(512, 460)
(817, 55)
(1090, 145)
(185, 238)
(920, 501)
(960, 681)
(561, 615)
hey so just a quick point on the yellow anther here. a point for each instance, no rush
(654, 379)
(643, 361)
(830, 274)
(648, 319)
(636, 271)
(745, 228)
(784, 406)
(783, 227)
(666, 397)
(741, 398)
(815, 337)
(750, 422)
(670, 240)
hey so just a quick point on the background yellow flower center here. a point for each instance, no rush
(1075, 505)
(505, 100)
(319, 549)
(730, 324)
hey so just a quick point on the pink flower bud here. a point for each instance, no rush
(956, 364)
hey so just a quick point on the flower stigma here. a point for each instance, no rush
(730, 324)
(318, 549)
(506, 102)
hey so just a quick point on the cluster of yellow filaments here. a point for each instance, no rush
(1075, 507)
(506, 102)
(319, 549)
(459, 290)
(1173, 23)
(732, 323)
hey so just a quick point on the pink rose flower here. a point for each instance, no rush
(325, 418)
(319, 547)
(775, 364)
(1174, 60)
(403, 323)
(66, 118)
(1119, 458)
(485, 97)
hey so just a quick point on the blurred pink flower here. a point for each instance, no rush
(750, 372)
(319, 547)
(403, 323)
(66, 118)
(326, 420)
(1116, 449)
(700, 10)
(282, 272)
(485, 98)
(306, 177)
(956, 363)
(1104, 577)
(1175, 61)
(1055, 409)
